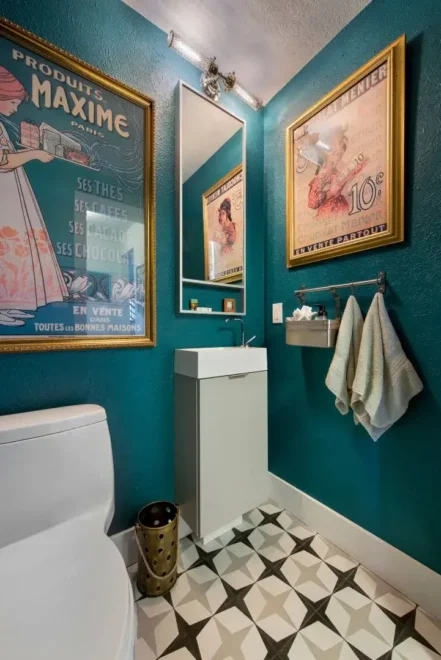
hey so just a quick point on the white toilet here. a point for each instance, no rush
(64, 590)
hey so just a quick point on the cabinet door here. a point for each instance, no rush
(186, 449)
(233, 448)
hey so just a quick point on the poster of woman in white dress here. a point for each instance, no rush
(76, 211)
(30, 276)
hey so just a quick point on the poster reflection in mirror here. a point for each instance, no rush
(223, 228)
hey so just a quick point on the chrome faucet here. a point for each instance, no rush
(243, 343)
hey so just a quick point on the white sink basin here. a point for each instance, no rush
(222, 361)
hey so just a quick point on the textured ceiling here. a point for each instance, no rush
(205, 128)
(265, 41)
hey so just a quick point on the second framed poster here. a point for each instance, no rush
(345, 165)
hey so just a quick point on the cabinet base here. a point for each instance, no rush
(226, 528)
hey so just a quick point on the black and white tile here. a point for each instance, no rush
(272, 542)
(294, 526)
(251, 520)
(382, 594)
(198, 594)
(216, 544)
(361, 623)
(239, 565)
(231, 634)
(157, 628)
(188, 554)
(309, 575)
(275, 608)
(332, 555)
(273, 589)
(318, 642)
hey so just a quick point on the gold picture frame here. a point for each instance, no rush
(225, 186)
(321, 214)
(145, 294)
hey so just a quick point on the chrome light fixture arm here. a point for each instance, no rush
(211, 77)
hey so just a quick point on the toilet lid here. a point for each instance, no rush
(64, 595)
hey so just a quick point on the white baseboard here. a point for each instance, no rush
(226, 528)
(414, 580)
(125, 542)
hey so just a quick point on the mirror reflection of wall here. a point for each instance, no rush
(212, 192)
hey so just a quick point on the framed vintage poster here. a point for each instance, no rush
(345, 165)
(77, 256)
(223, 211)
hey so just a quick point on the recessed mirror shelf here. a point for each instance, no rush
(223, 285)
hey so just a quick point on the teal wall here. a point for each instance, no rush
(391, 488)
(223, 161)
(134, 385)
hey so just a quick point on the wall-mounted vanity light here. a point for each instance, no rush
(211, 76)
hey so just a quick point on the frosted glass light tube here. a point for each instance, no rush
(188, 52)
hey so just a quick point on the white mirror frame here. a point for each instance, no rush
(179, 188)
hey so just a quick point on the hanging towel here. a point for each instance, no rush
(341, 373)
(385, 380)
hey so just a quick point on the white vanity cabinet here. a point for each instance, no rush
(221, 438)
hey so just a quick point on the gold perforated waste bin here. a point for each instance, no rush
(156, 534)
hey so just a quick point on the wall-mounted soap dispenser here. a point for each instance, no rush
(322, 313)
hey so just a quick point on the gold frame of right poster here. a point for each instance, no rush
(345, 183)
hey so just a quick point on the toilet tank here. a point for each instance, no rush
(54, 465)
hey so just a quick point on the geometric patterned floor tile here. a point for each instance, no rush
(275, 608)
(157, 627)
(294, 526)
(273, 589)
(250, 520)
(239, 565)
(429, 628)
(231, 635)
(188, 554)
(318, 642)
(382, 593)
(309, 575)
(216, 544)
(272, 542)
(198, 594)
(143, 651)
(361, 622)
(270, 508)
(413, 650)
(332, 555)
(182, 654)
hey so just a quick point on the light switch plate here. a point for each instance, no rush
(277, 312)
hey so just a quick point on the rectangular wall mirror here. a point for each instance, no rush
(211, 206)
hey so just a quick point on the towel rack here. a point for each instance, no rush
(380, 281)
(324, 333)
